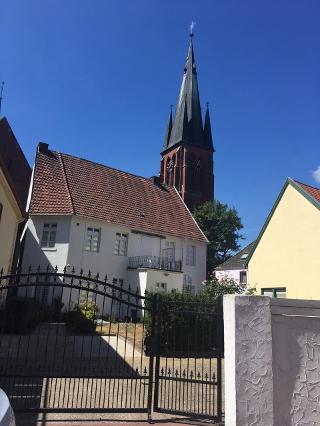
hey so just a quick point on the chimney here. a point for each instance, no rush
(43, 147)
(155, 180)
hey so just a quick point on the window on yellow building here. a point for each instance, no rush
(279, 292)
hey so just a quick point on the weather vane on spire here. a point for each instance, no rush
(1, 92)
(192, 27)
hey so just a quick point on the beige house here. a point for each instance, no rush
(285, 261)
(15, 176)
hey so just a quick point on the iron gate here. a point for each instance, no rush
(189, 350)
(76, 343)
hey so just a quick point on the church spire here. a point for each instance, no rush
(168, 131)
(189, 98)
(187, 155)
(207, 130)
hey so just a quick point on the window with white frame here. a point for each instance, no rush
(169, 251)
(121, 244)
(243, 277)
(187, 284)
(49, 234)
(191, 255)
(93, 239)
(161, 286)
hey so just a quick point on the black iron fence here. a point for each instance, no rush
(76, 343)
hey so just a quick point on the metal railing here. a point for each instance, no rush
(155, 262)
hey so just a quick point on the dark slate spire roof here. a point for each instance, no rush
(187, 126)
(207, 130)
(168, 132)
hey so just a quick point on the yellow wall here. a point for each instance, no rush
(288, 254)
(10, 218)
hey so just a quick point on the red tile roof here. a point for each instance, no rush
(311, 190)
(66, 185)
(14, 165)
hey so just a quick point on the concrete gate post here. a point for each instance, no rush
(248, 361)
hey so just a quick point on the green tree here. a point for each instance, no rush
(221, 225)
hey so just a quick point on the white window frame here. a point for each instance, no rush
(51, 229)
(121, 244)
(187, 284)
(161, 287)
(92, 244)
(169, 252)
(191, 255)
(243, 274)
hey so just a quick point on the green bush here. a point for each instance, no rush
(82, 319)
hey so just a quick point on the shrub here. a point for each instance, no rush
(186, 325)
(81, 320)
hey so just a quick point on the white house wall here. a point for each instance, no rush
(34, 255)
(232, 273)
(70, 241)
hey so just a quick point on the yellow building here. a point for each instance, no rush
(15, 176)
(285, 261)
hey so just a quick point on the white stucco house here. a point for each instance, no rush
(135, 230)
(236, 266)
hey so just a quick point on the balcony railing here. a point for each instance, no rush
(155, 262)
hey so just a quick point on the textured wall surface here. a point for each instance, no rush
(272, 361)
(296, 369)
(254, 378)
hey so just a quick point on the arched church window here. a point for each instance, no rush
(192, 175)
(177, 173)
(170, 171)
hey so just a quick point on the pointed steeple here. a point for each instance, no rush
(189, 103)
(207, 130)
(168, 131)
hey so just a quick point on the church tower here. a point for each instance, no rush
(187, 155)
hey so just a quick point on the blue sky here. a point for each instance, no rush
(96, 78)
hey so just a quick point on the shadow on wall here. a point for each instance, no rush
(34, 255)
(296, 369)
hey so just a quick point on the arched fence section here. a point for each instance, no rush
(76, 343)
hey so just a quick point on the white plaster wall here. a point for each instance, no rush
(69, 250)
(34, 255)
(198, 271)
(174, 280)
(231, 273)
(296, 362)
(272, 361)
(251, 354)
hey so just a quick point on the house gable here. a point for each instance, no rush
(286, 253)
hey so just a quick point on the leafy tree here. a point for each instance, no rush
(221, 225)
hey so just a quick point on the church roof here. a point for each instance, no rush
(67, 185)
(187, 126)
(14, 165)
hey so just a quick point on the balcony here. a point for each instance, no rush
(155, 262)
